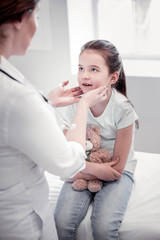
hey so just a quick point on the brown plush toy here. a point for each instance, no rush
(95, 154)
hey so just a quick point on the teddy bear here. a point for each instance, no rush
(94, 154)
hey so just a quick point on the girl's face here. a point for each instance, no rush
(92, 71)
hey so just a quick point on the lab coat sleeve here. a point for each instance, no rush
(33, 130)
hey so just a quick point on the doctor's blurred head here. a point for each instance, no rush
(18, 24)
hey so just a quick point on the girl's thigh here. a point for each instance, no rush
(72, 205)
(110, 203)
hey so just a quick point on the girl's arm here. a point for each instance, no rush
(122, 147)
(103, 171)
(113, 170)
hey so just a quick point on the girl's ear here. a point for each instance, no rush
(114, 77)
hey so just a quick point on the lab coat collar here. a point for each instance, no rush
(6, 66)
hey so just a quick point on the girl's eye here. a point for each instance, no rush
(94, 70)
(80, 69)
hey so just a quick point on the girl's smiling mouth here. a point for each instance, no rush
(86, 84)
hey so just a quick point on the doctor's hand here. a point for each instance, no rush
(61, 97)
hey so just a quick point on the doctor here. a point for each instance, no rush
(30, 138)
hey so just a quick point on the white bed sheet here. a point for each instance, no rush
(142, 217)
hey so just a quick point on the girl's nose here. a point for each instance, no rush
(86, 74)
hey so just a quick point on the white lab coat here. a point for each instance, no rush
(30, 142)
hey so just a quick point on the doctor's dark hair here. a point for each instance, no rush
(13, 10)
(113, 60)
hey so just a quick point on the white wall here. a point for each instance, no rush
(144, 93)
(47, 68)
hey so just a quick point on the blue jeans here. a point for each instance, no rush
(109, 205)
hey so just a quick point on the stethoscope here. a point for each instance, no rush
(64, 124)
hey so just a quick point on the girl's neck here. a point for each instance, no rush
(98, 109)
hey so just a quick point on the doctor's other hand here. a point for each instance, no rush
(61, 96)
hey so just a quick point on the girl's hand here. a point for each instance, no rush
(61, 97)
(106, 172)
(103, 171)
(95, 96)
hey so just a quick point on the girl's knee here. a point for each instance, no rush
(105, 230)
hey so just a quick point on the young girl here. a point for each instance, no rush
(100, 64)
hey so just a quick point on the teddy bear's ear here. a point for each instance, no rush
(96, 129)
